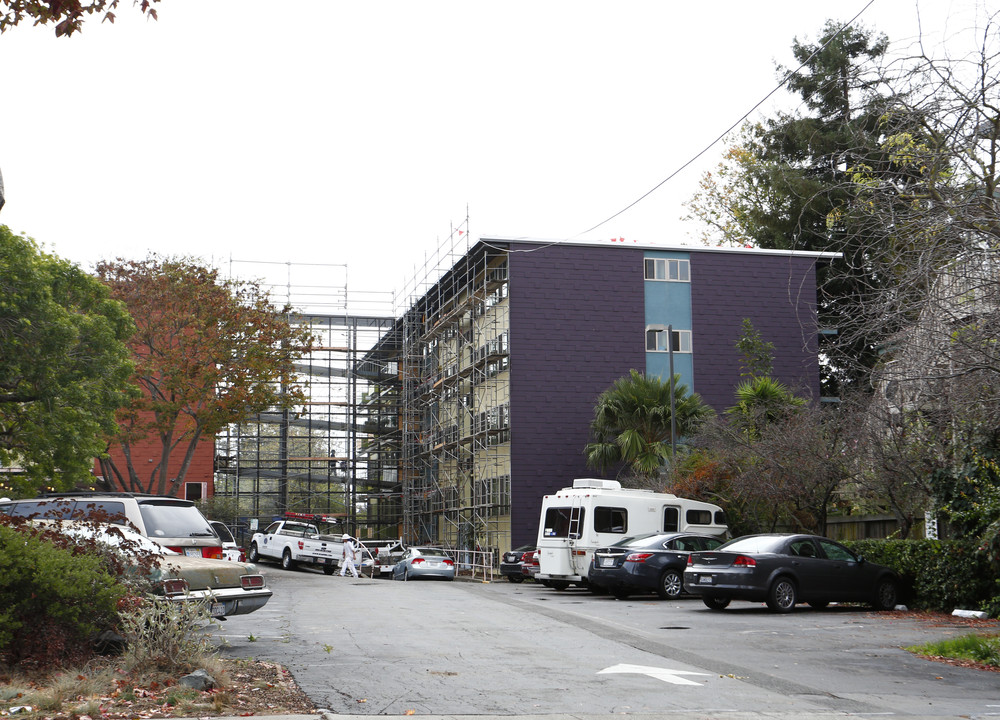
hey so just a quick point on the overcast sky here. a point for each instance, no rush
(356, 136)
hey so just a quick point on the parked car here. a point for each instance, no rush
(511, 565)
(385, 554)
(652, 562)
(529, 564)
(421, 562)
(786, 569)
(171, 522)
(227, 587)
(292, 542)
(230, 550)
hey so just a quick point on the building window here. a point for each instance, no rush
(668, 269)
(656, 340)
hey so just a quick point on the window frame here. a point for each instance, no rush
(666, 269)
(605, 517)
(685, 340)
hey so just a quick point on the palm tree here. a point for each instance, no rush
(761, 401)
(631, 423)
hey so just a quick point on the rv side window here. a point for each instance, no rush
(671, 518)
(610, 520)
(558, 521)
(720, 517)
(699, 517)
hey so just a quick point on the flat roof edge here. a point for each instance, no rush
(662, 247)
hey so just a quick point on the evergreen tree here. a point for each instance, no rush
(787, 183)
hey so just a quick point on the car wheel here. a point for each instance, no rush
(406, 574)
(328, 569)
(715, 603)
(885, 594)
(782, 595)
(597, 589)
(818, 604)
(515, 578)
(558, 584)
(670, 586)
(620, 593)
(254, 554)
(286, 560)
(546, 583)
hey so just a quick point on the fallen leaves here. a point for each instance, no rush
(251, 688)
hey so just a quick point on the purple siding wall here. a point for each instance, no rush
(576, 325)
(778, 294)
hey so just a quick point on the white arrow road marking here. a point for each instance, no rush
(670, 676)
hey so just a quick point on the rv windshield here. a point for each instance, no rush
(559, 519)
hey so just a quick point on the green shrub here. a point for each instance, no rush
(51, 600)
(937, 574)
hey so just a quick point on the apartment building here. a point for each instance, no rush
(500, 362)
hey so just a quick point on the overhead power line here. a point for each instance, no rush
(734, 125)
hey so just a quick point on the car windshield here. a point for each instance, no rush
(430, 552)
(223, 532)
(762, 544)
(652, 542)
(644, 540)
(174, 520)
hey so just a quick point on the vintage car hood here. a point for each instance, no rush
(202, 573)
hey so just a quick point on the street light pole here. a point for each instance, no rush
(673, 418)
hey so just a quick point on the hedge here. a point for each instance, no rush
(937, 574)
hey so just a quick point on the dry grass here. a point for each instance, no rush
(165, 643)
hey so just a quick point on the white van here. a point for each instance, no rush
(596, 513)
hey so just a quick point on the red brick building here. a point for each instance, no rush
(198, 483)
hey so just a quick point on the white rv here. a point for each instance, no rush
(596, 513)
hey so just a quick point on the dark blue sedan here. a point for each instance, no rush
(653, 562)
(783, 570)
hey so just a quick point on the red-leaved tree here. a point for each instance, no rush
(208, 352)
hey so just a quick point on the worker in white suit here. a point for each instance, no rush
(349, 553)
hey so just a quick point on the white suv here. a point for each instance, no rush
(171, 522)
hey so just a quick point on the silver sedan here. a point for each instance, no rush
(421, 562)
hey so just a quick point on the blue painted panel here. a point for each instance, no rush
(658, 363)
(669, 303)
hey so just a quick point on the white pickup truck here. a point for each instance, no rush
(381, 555)
(292, 542)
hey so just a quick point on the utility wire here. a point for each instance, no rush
(731, 127)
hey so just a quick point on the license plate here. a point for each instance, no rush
(218, 609)
(607, 562)
(192, 552)
(705, 579)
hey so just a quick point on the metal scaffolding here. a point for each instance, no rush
(407, 428)
(453, 353)
(316, 458)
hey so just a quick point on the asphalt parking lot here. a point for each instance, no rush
(377, 647)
